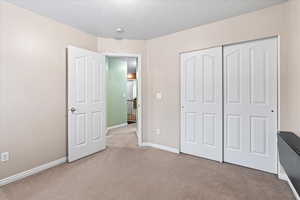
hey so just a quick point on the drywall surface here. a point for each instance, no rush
(292, 122)
(116, 95)
(33, 87)
(163, 58)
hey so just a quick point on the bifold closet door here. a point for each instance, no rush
(250, 104)
(201, 103)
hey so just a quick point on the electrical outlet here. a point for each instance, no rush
(4, 156)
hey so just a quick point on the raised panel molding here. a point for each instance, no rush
(81, 129)
(190, 126)
(209, 129)
(209, 79)
(258, 134)
(81, 76)
(233, 77)
(96, 81)
(190, 79)
(258, 75)
(97, 125)
(233, 132)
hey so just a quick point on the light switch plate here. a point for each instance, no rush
(4, 156)
(156, 131)
(158, 95)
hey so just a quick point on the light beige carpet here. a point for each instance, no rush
(125, 172)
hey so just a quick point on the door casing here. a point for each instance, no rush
(139, 94)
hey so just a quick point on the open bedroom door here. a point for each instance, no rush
(86, 103)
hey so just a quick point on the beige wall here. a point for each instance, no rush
(33, 87)
(163, 64)
(292, 121)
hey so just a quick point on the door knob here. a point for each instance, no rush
(73, 109)
(272, 110)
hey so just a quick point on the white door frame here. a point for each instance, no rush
(278, 86)
(139, 95)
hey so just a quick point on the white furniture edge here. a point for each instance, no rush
(116, 126)
(283, 176)
(161, 147)
(32, 171)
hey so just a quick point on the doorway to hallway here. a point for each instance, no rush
(123, 92)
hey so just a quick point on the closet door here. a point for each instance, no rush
(201, 103)
(250, 104)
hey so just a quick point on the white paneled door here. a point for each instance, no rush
(86, 103)
(201, 103)
(250, 104)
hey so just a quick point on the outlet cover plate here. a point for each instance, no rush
(4, 156)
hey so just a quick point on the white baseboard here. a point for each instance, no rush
(116, 126)
(162, 147)
(32, 171)
(283, 176)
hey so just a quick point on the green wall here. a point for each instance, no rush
(116, 87)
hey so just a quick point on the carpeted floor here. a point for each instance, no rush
(125, 172)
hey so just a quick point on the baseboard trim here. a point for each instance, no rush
(283, 176)
(116, 126)
(161, 147)
(32, 171)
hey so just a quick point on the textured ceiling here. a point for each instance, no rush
(141, 19)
